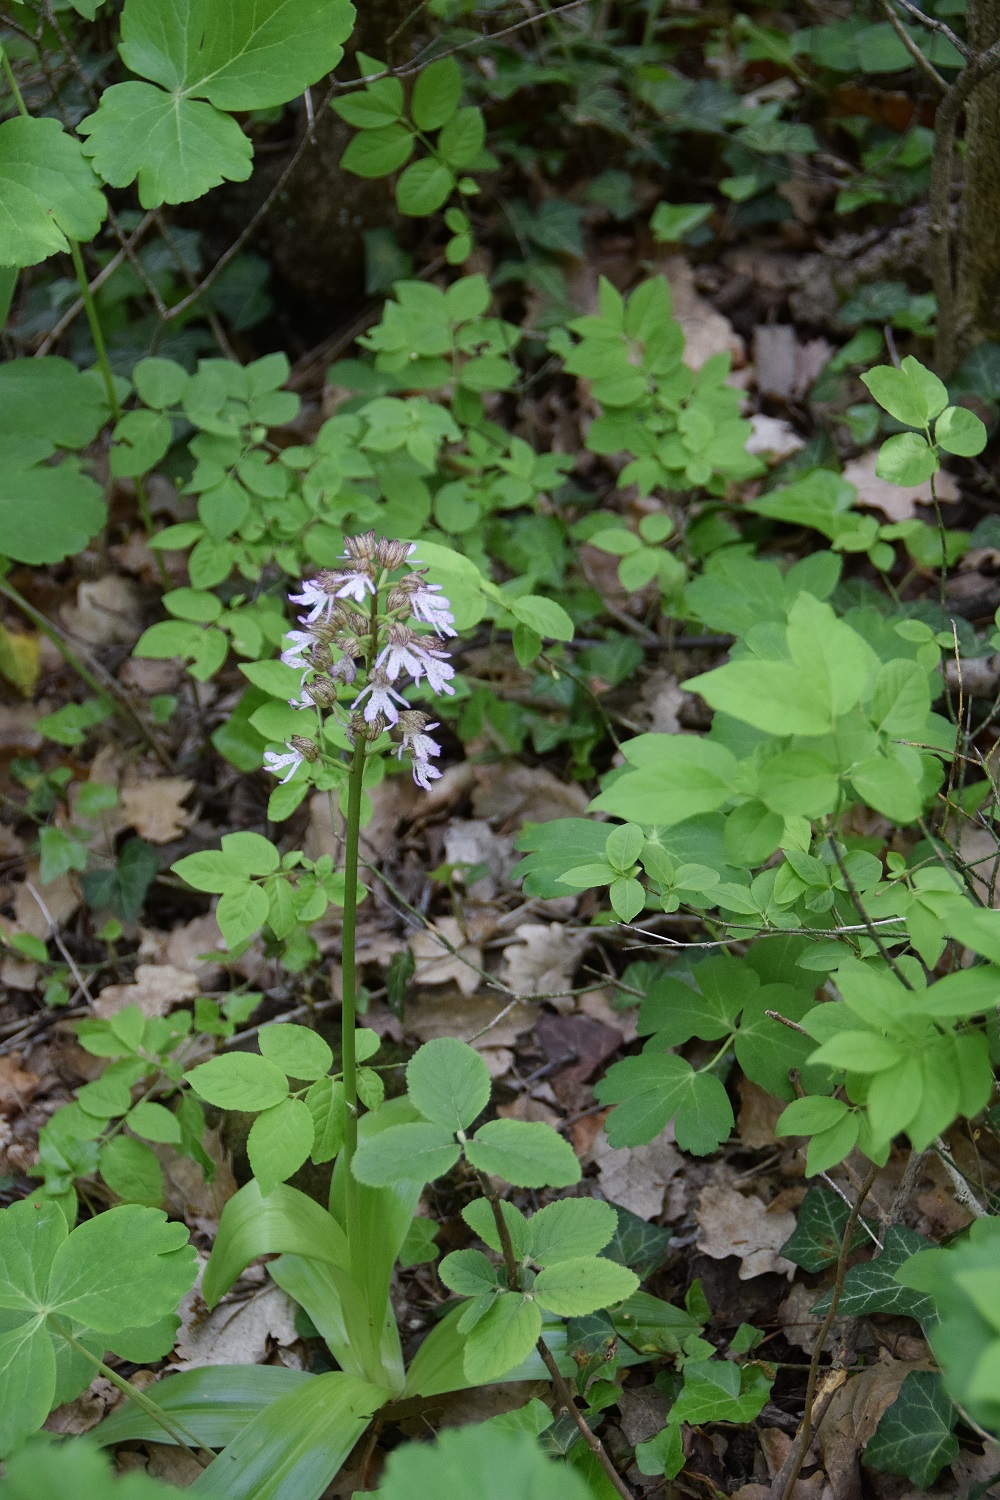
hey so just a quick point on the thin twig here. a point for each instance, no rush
(870, 927)
(784, 1483)
(54, 930)
(912, 48)
(963, 1192)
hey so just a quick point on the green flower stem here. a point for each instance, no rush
(175, 1431)
(22, 108)
(349, 992)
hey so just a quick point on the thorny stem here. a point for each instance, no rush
(563, 1391)
(787, 1481)
(175, 1431)
(349, 992)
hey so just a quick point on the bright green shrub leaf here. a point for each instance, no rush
(194, 605)
(469, 1273)
(502, 1339)
(239, 1080)
(141, 440)
(662, 1454)
(279, 1141)
(50, 398)
(958, 430)
(907, 399)
(828, 1147)
(131, 1170)
(771, 695)
(672, 221)
(462, 139)
(624, 845)
(325, 1102)
(423, 187)
(241, 912)
(547, 618)
(916, 1436)
(901, 699)
(906, 459)
(807, 1116)
(798, 783)
(296, 1050)
(571, 1228)
(668, 779)
(211, 870)
(273, 678)
(436, 94)
(49, 192)
(582, 1284)
(448, 1082)
(655, 1087)
(381, 103)
(479, 1216)
(27, 1383)
(628, 898)
(378, 153)
(527, 1154)
(154, 1122)
(406, 1153)
(474, 1460)
(160, 382)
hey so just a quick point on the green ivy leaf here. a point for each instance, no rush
(448, 1082)
(916, 1437)
(717, 1390)
(815, 1242)
(873, 1287)
(49, 192)
(239, 1080)
(527, 1154)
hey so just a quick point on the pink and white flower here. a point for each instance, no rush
(427, 603)
(315, 599)
(356, 585)
(295, 654)
(275, 762)
(380, 700)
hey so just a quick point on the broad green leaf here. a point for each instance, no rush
(906, 459)
(159, 382)
(901, 699)
(448, 1082)
(296, 1050)
(436, 94)
(50, 398)
(255, 854)
(154, 1122)
(239, 1080)
(474, 1460)
(807, 1116)
(286, 1222)
(46, 513)
(798, 783)
(43, 1468)
(479, 1216)
(462, 139)
(423, 187)
(325, 1102)
(628, 897)
(381, 103)
(668, 779)
(279, 1141)
(571, 1228)
(814, 1244)
(31, 1232)
(179, 148)
(469, 1273)
(771, 695)
(297, 1445)
(916, 1436)
(27, 1382)
(406, 1153)
(378, 153)
(214, 1403)
(719, 1391)
(502, 1339)
(123, 1269)
(242, 912)
(581, 1285)
(655, 1087)
(252, 57)
(132, 1170)
(960, 431)
(527, 1154)
(48, 189)
(547, 618)
(662, 1454)
(903, 397)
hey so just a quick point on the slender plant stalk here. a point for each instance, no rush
(784, 1484)
(563, 1391)
(22, 108)
(174, 1430)
(349, 990)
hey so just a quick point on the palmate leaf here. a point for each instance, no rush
(208, 56)
(657, 1086)
(814, 1244)
(49, 194)
(468, 1461)
(46, 513)
(872, 1287)
(916, 1435)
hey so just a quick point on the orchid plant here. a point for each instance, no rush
(373, 619)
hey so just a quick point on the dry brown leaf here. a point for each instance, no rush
(511, 794)
(17, 1084)
(734, 1224)
(471, 841)
(455, 1014)
(636, 1177)
(851, 1419)
(799, 1324)
(525, 1107)
(233, 1333)
(108, 612)
(706, 332)
(157, 987)
(772, 437)
(897, 502)
(153, 807)
(758, 1115)
(435, 964)
(40, 909)
(79, 1416)
(187, 1194)
(541, 958)
(17, 725)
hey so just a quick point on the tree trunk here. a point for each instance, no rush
(978, 259)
